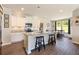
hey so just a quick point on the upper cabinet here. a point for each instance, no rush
(1, 10)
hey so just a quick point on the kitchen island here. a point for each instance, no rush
(30, 38)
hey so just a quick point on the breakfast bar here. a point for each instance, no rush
(30, 38)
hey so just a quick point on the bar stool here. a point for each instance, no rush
(51, 39)
(39, 42)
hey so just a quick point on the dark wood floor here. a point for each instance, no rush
(63, 46)
(13, 49)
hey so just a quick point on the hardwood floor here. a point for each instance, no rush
(63, 46)
(13, 49)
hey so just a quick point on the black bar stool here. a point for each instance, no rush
(51, 39)
(39, 42)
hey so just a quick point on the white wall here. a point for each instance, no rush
(75, 27)
(6, 31)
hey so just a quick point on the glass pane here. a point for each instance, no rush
(65, 26)
(62, 25)
(58, 23)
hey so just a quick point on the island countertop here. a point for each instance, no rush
(37, 33)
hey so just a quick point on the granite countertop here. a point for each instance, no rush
(33, 33)
(15, 31)
(36, 33)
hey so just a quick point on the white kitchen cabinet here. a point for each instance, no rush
(17, 36)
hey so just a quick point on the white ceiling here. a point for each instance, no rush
(45, 10)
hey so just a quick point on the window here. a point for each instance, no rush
(62, 25)
(65, 26)
(58, 25)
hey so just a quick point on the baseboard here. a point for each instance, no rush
(4, 44)
(17, 41)
(75, 42)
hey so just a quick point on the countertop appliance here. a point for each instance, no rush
(28, 27)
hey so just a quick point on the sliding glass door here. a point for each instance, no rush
(58, 25)
(63, 25)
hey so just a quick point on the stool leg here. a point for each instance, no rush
(49, 40)
(43, 43)
(36, 45)
(39, 49)
(54, 39)
(39, 46)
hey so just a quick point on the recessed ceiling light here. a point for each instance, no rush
(22, 9)
(61, 11)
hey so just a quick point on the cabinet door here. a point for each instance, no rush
(25, 41)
